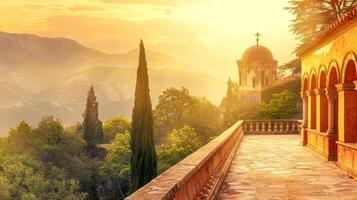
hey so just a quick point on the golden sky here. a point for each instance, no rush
(209, 34)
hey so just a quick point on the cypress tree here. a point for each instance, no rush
(144, 158)
(92, 126)
(229, 106)
(99, 132)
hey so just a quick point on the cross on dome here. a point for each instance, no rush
(257, 35)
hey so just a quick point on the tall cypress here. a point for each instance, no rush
(144, 158)
(92, 126)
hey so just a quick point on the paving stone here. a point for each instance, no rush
(276, 167)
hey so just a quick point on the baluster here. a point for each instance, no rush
(269, 126)
(251, 127)
(275, 126)
(258, 125)
(293, 129)
(263, 127)
(281, 127)
(287, 128)
(297, 127)
(246, 127)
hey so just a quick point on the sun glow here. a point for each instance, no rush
(209, 34)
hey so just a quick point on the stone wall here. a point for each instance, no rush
(200, 174)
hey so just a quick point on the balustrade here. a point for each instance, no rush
(271, 126)
(200, 175)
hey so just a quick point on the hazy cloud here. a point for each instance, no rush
(42, 7)
(35, 6)
(85, 8)
(154, 2)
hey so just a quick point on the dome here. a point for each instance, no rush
(257, 52)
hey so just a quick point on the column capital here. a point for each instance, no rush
(331, 131)
(310, 93)
(345, 87)
(303, 94)
(355, 82)
(331, 92)
(319, 91)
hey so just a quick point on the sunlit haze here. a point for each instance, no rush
(208, 35)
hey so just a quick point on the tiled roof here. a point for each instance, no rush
(339, 24)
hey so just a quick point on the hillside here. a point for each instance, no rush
(50, 76)
(32, 62)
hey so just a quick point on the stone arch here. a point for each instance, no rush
(321, 82)
(333, 66)
(312, 101)
(305, 82)
(349, 68)
(251, 76)
(333, 78)
(321, 102)
(313, 80)
(305, 85)
(348, 94)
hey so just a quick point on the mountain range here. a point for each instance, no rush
(42, 76)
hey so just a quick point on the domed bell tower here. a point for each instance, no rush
(257, 70)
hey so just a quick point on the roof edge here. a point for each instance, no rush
(329, 32)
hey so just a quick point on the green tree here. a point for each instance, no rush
(4, 187)
(170, 111)
(114, 126)
(230, 104)
(99, 131)
(21, 138)
(116, 167)
(205, 118)
(52, 147)
(92, 126)
(312, 16)
(144, 158)
(177, 108)
(292, 68)
(22, 177)
(181, 143)
(282, 106)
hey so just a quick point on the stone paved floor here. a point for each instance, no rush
(276, 167)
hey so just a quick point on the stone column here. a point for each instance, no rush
(305, 116)
(311, 109)
(321, 110)
(303, 96)
(347, 110)
(331, 97)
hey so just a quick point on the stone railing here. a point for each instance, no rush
(199, 176)
(266, 127)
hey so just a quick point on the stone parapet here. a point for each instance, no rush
(199, 175)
